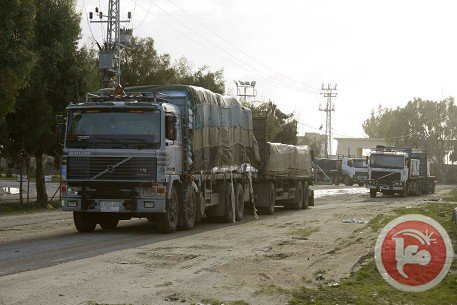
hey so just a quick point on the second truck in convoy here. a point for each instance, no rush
(173, 154)
(396, 170)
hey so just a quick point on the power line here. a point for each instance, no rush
(88, 22)
(237, 48)
(253, 69)
(210, 42)
(145, 16)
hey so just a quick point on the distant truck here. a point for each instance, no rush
(172, 154)
(328, 170)
(397, 170)
(354, 171)
(347, 170)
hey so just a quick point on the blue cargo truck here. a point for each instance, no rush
(399, 170)
(171, 154)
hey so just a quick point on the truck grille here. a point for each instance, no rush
(112, 168)
(388, 179)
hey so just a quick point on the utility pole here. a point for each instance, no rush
(245, 89)
(116, 40)
(328, 92)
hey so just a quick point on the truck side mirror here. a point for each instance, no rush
(60, 128)
(170, 128)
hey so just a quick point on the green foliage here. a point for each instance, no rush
(143, 65)
(62, 73)
(421, 123)
(281, 127)
(366, 286)
(16, 57)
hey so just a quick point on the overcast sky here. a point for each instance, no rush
(378, 52)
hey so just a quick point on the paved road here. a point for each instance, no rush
(44, 253)
(41, 240)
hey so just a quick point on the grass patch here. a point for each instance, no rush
(270, 290)
(14, 208)
(303, 232)
(217, 302)
(366, 286)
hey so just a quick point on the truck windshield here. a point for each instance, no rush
(112, 128)
(360, 163)
(387, 161)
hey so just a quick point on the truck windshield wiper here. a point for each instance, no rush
(112, 140)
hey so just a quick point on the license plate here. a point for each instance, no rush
(110, 206)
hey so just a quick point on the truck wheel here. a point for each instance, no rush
(336, 181)
(168, 221)
(297, 202)
(108, 223)
(305, 195)
(84, 222)
(373, 193)
(239, 201)
(227, 200)
(190, 212)
(360, 184)
(347, 181)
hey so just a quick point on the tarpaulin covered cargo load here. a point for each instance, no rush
(288, 161)
(222, 132)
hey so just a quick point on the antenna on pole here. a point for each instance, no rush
(116, 41)
(329, 92)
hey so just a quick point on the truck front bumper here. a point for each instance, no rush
(136, 200)
(395, 186)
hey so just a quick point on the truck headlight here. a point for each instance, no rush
(73, 190)
(149, 191)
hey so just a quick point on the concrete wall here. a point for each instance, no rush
(357, 146)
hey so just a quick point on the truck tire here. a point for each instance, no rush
(336, 180)
(348, 181)
(168, 221)
(373, 193)
(239, 201)
(305, 195)
(360, 184)
(84, 222)
(226, 197)
(108, 222)
(297, 202)
(189, 213)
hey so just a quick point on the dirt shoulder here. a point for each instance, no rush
(257, 261)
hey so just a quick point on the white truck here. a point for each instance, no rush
(396, 170)
(354, 171)
(171, 154)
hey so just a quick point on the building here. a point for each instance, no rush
(358, 147)
(315, 141)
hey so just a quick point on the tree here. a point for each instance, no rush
(281, 127)
(62, 73)
(16, 56)
(421, 124)
(142, 64)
